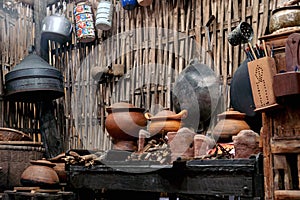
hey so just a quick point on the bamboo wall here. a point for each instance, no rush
(153, 43)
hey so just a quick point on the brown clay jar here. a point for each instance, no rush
(40, 174)
(123, 123)
(230, 123)
(165, 121)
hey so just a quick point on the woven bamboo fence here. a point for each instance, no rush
(154, 44)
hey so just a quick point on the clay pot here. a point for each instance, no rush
(284, 17)
(124, 121)
(230, 123)
(144, 2)
(59, 168)
(40, 174)
(165, 121)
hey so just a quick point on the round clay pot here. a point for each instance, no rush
(59, 168)
(230, 123)
(124, 121)
(165, 121)
(284, 17)
(144, 2)
(40, 174)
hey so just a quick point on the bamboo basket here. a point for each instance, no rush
(15, 157)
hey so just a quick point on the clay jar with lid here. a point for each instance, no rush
(123, 123)
(230, 123)
(40, 174)
(165, 121)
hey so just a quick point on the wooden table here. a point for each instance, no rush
(222, 178)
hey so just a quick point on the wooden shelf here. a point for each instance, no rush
(287, 194)
(285, 146)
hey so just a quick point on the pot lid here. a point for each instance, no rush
(233, 114)
(33, 80)
(42, 162)
(123, 106)
(32, 61)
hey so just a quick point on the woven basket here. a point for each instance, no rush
(14, 159)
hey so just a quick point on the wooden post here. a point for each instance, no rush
(40, 12)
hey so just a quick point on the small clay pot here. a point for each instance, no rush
(40, 174)
(284, 17)
(123, 123)
(230, 123)
(144, 2)
(165, 121)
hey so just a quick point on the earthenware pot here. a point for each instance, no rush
(230, 123)
(165, 121)
(144, 2)
(283, 17)
(40, 174)
(124, 121)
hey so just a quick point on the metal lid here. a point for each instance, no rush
(33, 80)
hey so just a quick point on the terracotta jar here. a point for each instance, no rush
(144, 2)
(40, 174)
(165, 121)
(123, 122)
(230, 123)
(284, 17)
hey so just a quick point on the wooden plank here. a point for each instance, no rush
(224, 178)
(285, 146)
(268, 160)
(287, 194)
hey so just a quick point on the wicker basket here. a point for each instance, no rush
(14, 159)
(9, 134)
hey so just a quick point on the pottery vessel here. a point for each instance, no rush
(40, 174)
(165, 121)
(284, 17)
(230, 123)
(124, 121)
(144, 2)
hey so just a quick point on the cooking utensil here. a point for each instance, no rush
(33, 80)
(243, 33)
(56, 27)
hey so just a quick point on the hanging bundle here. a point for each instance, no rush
(104, 15)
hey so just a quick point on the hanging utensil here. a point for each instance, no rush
(57, 27)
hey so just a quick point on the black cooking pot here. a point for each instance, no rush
(241, 98)
(33, 80)
(196, 90)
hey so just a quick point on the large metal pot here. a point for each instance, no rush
(56, 27)
(197, 90)
(284, 17)
(33, 80)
